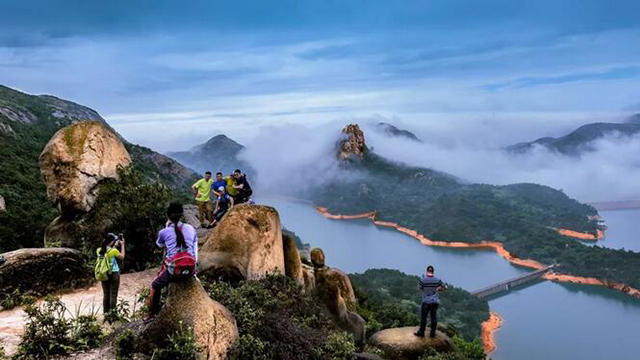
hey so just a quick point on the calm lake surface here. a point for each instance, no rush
(544, 321)
(623, 229)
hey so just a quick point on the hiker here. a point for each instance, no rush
(107, 269)
(243, 187)
(231, 190)
(201, 190)
(430, 286)
(180, 243)
(218, 183)
(224, 203)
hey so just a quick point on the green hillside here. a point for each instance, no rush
(27, 122)
(579, 140)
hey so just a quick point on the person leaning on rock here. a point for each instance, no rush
(430, 286)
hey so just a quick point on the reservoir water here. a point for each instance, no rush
(623, 229)
(545, 321)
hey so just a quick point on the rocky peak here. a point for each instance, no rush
(353, 144)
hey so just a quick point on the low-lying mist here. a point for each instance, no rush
(292, 158)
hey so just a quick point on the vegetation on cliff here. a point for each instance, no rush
(521, 216)
(277, 320)
(390, 298)
(27, 122)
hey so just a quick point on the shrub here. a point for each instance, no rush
(125, 344)
(277, 320)
(120, 313)
(86, 332)
(49, 332)
(339, 345)
(180, 345)
(134, 207)
(463, 350)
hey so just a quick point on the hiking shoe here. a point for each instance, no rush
(149, 318)
(418, 334)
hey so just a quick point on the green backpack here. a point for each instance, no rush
(103, 268)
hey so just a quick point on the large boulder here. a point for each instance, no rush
(292, 261)
(42, 271)
(73, 163)
(189, 305)
(336, 292)
(402, 344)
(246, 244)
(76, 159)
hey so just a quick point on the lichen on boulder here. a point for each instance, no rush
(292, 261)
(246, 244)
(336, 292)
(42, 271)
(402, 344)
(189, 305)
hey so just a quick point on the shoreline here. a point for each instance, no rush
(489, 328)
(497, 246)
(581, 235)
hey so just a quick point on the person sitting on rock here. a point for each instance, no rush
(110, 287)
(430, 286)
(177, 237)
(243, 187)
(201, 191)
(224, 203)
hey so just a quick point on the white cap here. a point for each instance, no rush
(221, 188)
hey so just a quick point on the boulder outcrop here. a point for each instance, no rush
(189, 305)
(292, 261)
(76, 159)
(73, 163)
(353, 145)
(42, 270)
(246, 244)
(335, 290)
(402, 344)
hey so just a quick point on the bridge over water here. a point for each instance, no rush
(507, 285)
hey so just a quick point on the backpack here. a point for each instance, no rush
(182, 265)
(102, 269)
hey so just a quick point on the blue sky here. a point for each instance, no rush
(205, 67)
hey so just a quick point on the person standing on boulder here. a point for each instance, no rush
(201, 190)
(243, 187)
(180, 242)
(430, 286)
(111, 286)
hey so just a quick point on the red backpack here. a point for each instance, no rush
(182, 265)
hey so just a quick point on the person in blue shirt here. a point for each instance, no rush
(220, 182)
(430, 286)
(224, 203)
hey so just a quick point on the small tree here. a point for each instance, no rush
(135, 207)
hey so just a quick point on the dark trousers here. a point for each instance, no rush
(426, 309)
(243, 196)
(110, 292)
(161, 281)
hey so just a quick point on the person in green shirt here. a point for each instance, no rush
(110, 287)
(231, 182)
(201, 191)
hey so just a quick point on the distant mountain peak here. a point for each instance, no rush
(353, 144)
(393, 131)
